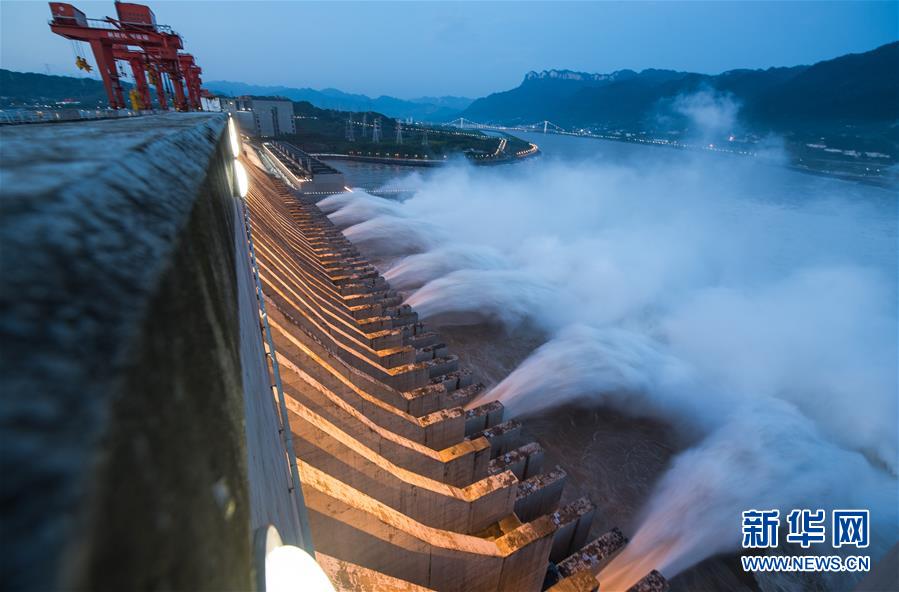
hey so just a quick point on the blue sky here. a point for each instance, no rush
(410, 49)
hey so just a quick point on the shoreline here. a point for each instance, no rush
(882, 181)
(423, 163)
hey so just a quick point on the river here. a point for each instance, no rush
(775, 184)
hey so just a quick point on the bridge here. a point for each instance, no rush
(196, 357)
(548, 127)
(544, 126)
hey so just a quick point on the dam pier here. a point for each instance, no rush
(241, 365)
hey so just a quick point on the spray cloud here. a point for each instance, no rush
(750, 306)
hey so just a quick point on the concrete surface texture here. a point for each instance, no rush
(122, 421)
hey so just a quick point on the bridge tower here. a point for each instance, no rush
(545, 125)
(376, 131)
(399, 132)
(424, 138)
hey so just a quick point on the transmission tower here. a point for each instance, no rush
(399, 132)
(350, 132)
(376, 131)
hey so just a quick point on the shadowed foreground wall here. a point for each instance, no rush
(124, 450)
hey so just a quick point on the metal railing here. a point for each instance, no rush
(286, 434)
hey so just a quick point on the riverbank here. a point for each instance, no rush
(874, 173)
(532, 151)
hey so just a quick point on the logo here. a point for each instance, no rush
(805, 527)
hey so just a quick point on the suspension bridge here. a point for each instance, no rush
(545, 126)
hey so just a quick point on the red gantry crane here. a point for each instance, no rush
(149, 49)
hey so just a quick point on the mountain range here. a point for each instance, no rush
(855, 89)
(429, 108)
(28, 88)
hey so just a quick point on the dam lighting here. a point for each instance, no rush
(243, 183)
(234, 138)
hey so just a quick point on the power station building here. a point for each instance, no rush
(267, 118)
(272, 117)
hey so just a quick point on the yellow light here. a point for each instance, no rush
(235, 140)
(243, 183)
(290, 569)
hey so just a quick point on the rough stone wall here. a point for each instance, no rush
(123, 451)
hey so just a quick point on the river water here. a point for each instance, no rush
(780, 245)
(775, 184)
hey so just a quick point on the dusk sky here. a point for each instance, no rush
(410, 49)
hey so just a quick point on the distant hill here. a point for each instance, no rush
(429, 108)
(28, 88)
(860, 89)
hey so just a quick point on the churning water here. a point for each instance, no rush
(751, 307)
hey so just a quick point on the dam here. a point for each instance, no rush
(195, 356)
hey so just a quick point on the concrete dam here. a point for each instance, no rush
(194, 356)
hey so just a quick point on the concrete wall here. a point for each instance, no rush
(273, 118)
(127, 327)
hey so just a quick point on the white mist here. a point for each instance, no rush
(752, 307)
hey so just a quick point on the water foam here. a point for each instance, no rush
(753, 308)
